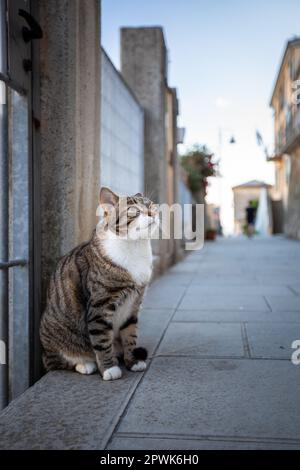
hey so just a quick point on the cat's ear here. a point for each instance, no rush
(138, 195)
(108, 197)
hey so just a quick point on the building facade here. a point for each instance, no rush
(243, 195)
(286, 105)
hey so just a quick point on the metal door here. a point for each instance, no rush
(17, 29)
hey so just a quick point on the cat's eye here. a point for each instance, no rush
(133, 212)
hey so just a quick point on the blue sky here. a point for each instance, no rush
(223, 58)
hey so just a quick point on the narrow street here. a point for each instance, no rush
(222, 375)
(219, 328)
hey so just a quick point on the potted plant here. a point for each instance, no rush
(210, 234)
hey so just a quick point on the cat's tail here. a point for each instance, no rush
(140, 354)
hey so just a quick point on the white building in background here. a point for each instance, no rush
(242, 195)
(263, 221)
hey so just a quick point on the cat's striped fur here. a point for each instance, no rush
(93, 302)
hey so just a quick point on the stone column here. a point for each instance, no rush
(70, 124)
(178, 252)
(143, 65)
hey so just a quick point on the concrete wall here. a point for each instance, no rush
(70, 120)
(173, 164)
(122, 133)
(185, 197)
(143, 65)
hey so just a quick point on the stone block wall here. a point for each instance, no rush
(70, 123)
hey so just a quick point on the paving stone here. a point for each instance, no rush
(65, 410)
(235, 316)
(232, 398)
(232, 290)
(183, 268)
(295, 288)
(194, 300)
(163, 296)
(152, 323)
(221, 269)
(164, 443)
(284, 303)
(279, 279)
(203, 339)
(272, 340)
(179, 279)
(228, 280)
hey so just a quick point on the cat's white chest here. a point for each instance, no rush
(140, 269)
(135, 257)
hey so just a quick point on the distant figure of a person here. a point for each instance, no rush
(250, 217)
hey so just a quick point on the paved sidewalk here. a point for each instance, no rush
(219, 328)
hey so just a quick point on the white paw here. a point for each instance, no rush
(113, 373)
(86, 368)
(139, 366)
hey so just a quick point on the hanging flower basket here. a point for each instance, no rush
(199, 166)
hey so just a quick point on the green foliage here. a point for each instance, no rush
(254, 203)
(198, 164)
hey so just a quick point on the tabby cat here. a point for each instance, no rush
(95, 293)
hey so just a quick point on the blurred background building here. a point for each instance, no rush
(245, 195)
(286, 105)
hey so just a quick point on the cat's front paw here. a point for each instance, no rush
(113, 373)
(138, 366)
